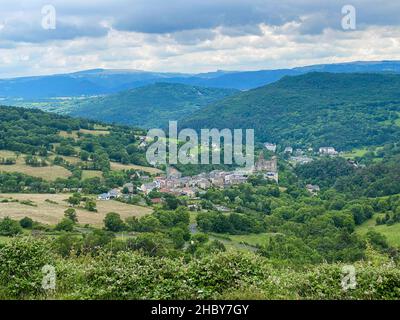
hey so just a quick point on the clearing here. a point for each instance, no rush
(242, 242)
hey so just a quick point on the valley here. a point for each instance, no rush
(324, 190)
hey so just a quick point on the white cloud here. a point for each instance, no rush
(192, 35)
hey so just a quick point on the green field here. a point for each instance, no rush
(252, 239)
(392, 232)
(248, 242)
(87, 174)
(355, 153)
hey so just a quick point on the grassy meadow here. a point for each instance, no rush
(49, 209)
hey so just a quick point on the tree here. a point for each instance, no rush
(148, 223)
(171, 202)
(84, 155)
(75, 199)
(113, 222)
(65, 225)
(177, 235)
(152, 244)
(65, 243)
(98, 238)
(90, 205)
(70, 213)
(9, 227)
(132, 223)
(26, 223)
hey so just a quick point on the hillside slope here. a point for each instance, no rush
(150, 106)
(341, 110)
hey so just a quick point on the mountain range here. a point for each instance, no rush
(103, 81)
(341, 105)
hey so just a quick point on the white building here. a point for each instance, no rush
(288, 150)
(270, 146)
(328, 151)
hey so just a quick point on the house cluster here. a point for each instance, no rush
(328, 151)
(300, 156)
(112, 194)
(300, 152)
(175, 183)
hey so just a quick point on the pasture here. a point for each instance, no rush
(51, 212)
(49, 173)
(392, 232)
(119, 166)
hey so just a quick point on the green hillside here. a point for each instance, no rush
(151, 106)
(340, 110)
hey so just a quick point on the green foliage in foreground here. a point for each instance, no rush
(227, 275)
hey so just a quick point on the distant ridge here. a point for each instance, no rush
(344, 110)
(106, 81)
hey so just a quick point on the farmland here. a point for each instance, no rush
(51, 212)
(52, 172)
(119, 166)
(49, 173)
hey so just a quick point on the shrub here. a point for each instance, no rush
(21, 261)
(26, 223)
(65, 225)
(9, 227)
(70, 213)
(113, 222)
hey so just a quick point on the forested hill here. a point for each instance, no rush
(318, 109)
(44, 134)
(151, 106)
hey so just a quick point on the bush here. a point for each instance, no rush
(65, 225)
(9, 227)
(133, 275)
(90, 205)
(26, 223)
(21, 261)
(70, 213)
(113, 222)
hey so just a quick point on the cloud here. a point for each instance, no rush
(21, 19)
(192, 35)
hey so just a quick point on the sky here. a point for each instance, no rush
(52, 36)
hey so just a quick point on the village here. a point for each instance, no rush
(174, 183)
